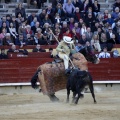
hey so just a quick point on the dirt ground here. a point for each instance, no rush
(38, 107)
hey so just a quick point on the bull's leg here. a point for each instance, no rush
(92, 92)
(68, 93)
(68, 90)
(92, 88)
(74, 94)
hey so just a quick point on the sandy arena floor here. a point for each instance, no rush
(39, 107)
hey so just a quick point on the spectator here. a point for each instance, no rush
(78, 47)
(57, 18)
(31, 17)
(28, 30)
(115, 14)
(39, 33)
(5, 27)
(50, 12)
(30, 40)
(67, 33)
(20, 41)
(2, 36)
(116, 4)
(96, 7)
(68, 9)
(88, 34)
(77, 29)
(110, 20)
(22, 29)
(44, 40)
(21, 10)
(104, 54)
(78, 15)
(42, 15)
(51, 51)
(8, 18)
(33, 22)
(59, 10)
(4, 20)
(106, 14)
(13, 32)
(38, 49)
(47, 20)
(7, 40)
(3, 55)
(83, 40)
(15, 23)
(71, 23)
(20, 18)
(13, 49)
(83, 29)
(35, 27)
(95, 43)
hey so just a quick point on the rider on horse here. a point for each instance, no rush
(64, 49)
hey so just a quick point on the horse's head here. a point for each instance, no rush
(89, 55)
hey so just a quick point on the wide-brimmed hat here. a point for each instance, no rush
(67, 39)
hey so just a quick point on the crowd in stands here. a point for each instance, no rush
(81, 20)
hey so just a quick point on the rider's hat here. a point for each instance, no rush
(67, 39)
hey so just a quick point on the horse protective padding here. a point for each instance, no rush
(53, 76)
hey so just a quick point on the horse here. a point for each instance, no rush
(52, 76)
(76, 82)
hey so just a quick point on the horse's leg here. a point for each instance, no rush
(53, 97)
(92, 88)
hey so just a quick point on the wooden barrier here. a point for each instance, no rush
(30, 55)
(21, 70)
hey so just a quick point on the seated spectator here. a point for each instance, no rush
(50, 12)
(33, 22)
(68, 9)
(34, 28)
(20, 18)
(13, 32)
(5, 27)
(78, 14)
(2, 36)
(42, 15)
(78, 47)
(67, 33)
(110, 19)
(8, 18)
(95, 43)
(3, 19)
(115, 14)
(21, 10)
(7, 40)
(51, 51)
(77, 29)
(3, 55)
(30, 40)
(13, 49)
(44, 40)
(20, 41)
(71, 23)
(38, 49)
(83, 29)
(116, 4)
(47, 20)
(31, 17)
(59, 10)
(104, 54)
(96, 7)
(106, 14)
(88, 34)
(83, 40)
(57, 18)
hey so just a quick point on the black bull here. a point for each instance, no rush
(77, 82)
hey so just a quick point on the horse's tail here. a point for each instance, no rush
(34, 80)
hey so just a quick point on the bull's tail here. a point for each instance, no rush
(34, 80)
